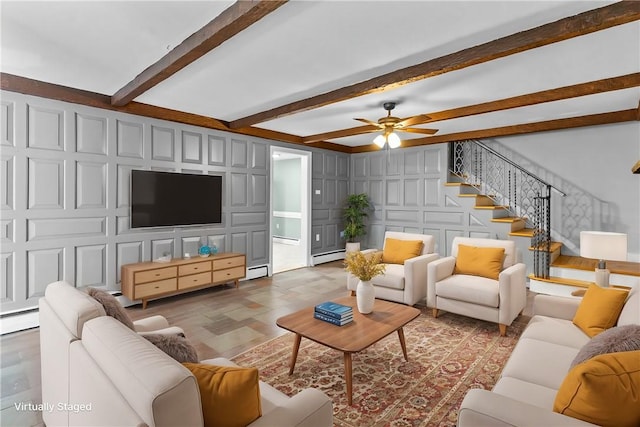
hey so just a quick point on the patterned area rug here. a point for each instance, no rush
(447, 356)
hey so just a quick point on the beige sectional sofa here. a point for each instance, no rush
(525, 393)
(98, 372)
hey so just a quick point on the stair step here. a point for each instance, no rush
(586, 264)
(555, 246)
(492, 207)
(524, 232)
(569, 282)
(508, 219)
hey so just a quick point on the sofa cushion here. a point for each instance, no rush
(74, 308)
(397, 251)
(111, 306)
(605, 390)
(599, 309)
(475, 289)
(176, 346)
(230, 395)
(524, 391)
(630, 313)
(393, 277)
(619, 338)
(479, 261)
(557, 331)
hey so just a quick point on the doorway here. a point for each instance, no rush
(290, 209)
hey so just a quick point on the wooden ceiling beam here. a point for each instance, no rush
(584, 23)
(13, 83)
(519, 129)
(550, 95)
(230, 22)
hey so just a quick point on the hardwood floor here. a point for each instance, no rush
(221, 321)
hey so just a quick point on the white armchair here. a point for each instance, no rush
(406, 284)
(499, 301)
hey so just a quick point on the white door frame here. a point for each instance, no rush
(305, 201)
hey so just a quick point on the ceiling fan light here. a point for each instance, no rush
(394, 140)
(380, 141)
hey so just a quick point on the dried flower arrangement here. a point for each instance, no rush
(364, 267)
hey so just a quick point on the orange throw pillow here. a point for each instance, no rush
(479, 261)
(397, 251)
(599, 309)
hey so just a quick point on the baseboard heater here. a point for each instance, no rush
(258, 271)
(327, 257)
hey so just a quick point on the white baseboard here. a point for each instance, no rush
(19, 322)
(327, 257)
(258, 271)
(286, 240)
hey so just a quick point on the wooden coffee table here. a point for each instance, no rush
(365, 330)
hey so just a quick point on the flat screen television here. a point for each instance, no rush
(161, 199)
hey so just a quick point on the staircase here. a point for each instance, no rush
(519, 207)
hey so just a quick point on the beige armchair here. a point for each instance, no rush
(404, 283)
(498, 300)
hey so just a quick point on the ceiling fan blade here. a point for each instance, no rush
(369, 122)
(419, 130)
(413, 120)
(339, 134)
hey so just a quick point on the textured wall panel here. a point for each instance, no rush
(393, 192)
(67, 227)
(330, 168)
(317, 190)
(376, 192)
(481, 235)
(219, 240)
(239, 189)
(394, 163)
(445, 217)
(360, 187)
(43, 266)
(162, 247)
(433, 160)
(449, 235)
(91, 134)
(412, 163)
(411, 192)
(260, 158)
(191, 147)
(432, 188)
(248, 218)
(46, 129)
(330, 192)
(129, 139)
(239, 243)
(124, 185)
(317, 164)
(360, 167)
(6, 123)
(91, 265)
(375, 237)
(46, 184)
(91, 185)
(316, 237)
(190, 245)
(342, 190)
(342, 167)
(6, 231)
(259, 248)
(127, 253)
(331, 235)
(7, 183)
(163, 144)
(259, 191)
(320, 214)
(401, 216)
(216, 150)
(7, 293)
(377, 166)
(239, 154)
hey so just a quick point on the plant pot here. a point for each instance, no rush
(365, 296)
(352, 247)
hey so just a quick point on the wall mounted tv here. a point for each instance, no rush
(161, 199)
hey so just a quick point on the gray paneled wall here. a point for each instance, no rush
(408, 193)
(64, 194)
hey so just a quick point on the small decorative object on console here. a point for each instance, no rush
(204, 251)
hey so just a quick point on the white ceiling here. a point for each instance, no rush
(306, 48)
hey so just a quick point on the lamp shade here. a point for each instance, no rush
(603, 245)
(380, 140)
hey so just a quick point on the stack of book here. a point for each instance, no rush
(335, 313)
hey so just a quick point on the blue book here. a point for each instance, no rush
(334, 309)
(332, 320)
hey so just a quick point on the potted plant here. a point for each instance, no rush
(355, 212)
(365, 268)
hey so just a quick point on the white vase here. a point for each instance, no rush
(352, 247)
(365, 296)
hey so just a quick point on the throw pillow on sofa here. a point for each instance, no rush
(479, 261)
(616, 339)
(599, 309)
(176, 346)
(111, 306)
(230, 395)
(397, 251)
(604, 390)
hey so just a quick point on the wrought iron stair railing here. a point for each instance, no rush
(521, 193)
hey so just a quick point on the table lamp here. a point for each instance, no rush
(603, 246)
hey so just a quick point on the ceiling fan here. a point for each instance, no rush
(389, 124)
